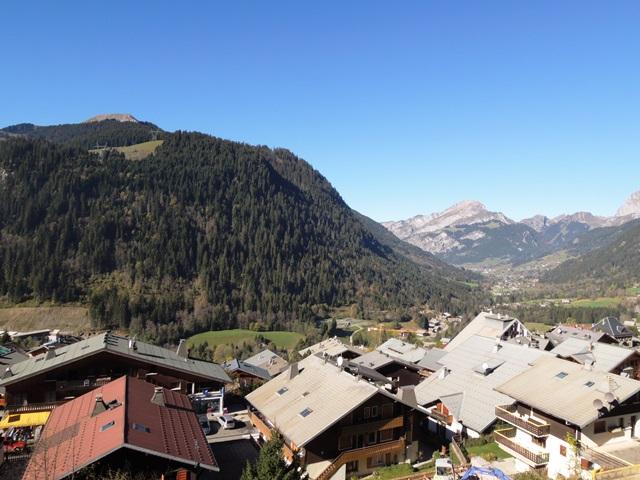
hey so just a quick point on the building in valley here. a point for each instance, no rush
(332, 348)
(614, 328)
(565, 332)
(491, 325)
(270, 361)
(398, 372)
(245, 374)
(405, 351)
(68, 372)
(570, 419)
(337, 422)
(126, 422)
(460, 395)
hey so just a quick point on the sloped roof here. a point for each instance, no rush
(602, 356)
(563, 332)
(567, 390)
(268, 360)
(240, 366)
(485, 324)
(117, 345)
(333, 347)
(406, 351)
(431, 359)
(74, 438)
(463, 366)
(612, 326)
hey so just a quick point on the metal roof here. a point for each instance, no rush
(374, 360)
(461, 376)
(406, 351)
(268, 360)
(108, 342)
(431, 359)
(563, 332)
(75, 436)
(602, 356)
(612, 326)
(567, 390)
(333, 347)
(486, 324)
(240, 366)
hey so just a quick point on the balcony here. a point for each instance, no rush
(372, 426)
(66, 386)
(530, 455)
(537, 428)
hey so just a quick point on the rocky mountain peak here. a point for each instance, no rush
(120, 117)
(631, 206)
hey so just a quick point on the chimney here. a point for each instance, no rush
(99, 406)
(293, 370)
(7, 373)
(158, 396)
(50, 354)
(408, 395)
(444, 372)
(182, 349)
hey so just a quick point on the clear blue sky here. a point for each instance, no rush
(406, 107)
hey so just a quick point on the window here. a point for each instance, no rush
(563, 450)
(371, 438)
(345, 442)
(13, 418)
(561, 375)
(369, 462)
(600, 426)
(352, 467)
(141, 428)
(282, 391)
(306, 412)
(387, 410)
(374, 411)
(367, 412)
(589, 384)
(386, 435)
(107, 426)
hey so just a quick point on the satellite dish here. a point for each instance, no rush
(597, 404)
(340, 361)
(609, 397)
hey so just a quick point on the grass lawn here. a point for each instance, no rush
(491, 448)
(393, 471)
(611, 302)
(283, 340)
(538, 327)
(139, 150)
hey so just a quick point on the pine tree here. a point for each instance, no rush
(270, 464)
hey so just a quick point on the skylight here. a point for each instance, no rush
(589, 384)
(306, 412)
(282, 391)
(140, 427)
(107, 426)
(561, 374)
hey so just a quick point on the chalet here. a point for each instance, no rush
(70, 371)
(245, 374)
(338, 423)
(564, 332)
(268, 360)
(431, 358)
(124, 422)
(492, 325)
(614, 328)
(398, 372)
(402, 350)
(570, 419)
(601, 356)
(460, 396)
(332, 348)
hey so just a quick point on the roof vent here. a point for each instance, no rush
(293, 370)
(158, 396)
(132, 344)
(50, 354)
(182, 349)
(7, 373)
(444, 372)
(99, 406)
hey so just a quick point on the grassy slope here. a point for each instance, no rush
(285, 340)
(137, 151)
(71, 318)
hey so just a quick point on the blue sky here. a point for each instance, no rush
(406, 107)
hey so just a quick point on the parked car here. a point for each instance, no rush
(14, 446)
(226, 422)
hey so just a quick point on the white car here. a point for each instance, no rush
(226, 422)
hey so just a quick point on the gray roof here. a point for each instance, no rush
(461, 380)
(431, 359)
(602, 356)
(10, 355)
(571, 397)
(486, 324)
(240, 366)
(333, 347)
(374, 360)
(270, 361)
(322, 387)
(612, 326)
(108, 342)
(563, 332)
(403, 350)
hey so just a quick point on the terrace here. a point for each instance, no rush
(531, 425)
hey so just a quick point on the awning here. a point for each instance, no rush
(24, 420)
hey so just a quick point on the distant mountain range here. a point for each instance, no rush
(467, 233)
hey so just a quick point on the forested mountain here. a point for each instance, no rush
(615, 264)
(203, 233)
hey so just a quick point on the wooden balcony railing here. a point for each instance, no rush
(537, 428)
(394, 446)
(32, 407)
(505, 438)
(372, 426)
(74, 385)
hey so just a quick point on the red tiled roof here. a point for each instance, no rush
(73, 438)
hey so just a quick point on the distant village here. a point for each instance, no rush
(495, 401)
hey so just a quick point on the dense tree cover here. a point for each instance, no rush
(110, 133)
(617, 264)
(203, 234)
(270, 464)
(565, 314)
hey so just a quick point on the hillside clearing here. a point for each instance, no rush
(282, 340)
(137, 151)
(69, 318)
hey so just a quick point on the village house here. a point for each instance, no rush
(398, 372)
(245, 374)
(67, 372)
(570, 419)
(564, 332)
(332, 348)
(126, 422)
(614, 328)
(460, 395)
(493, 325)
(339, 424)
(405, 351)
(268, 360)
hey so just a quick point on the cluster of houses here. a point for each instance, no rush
(567, 402)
